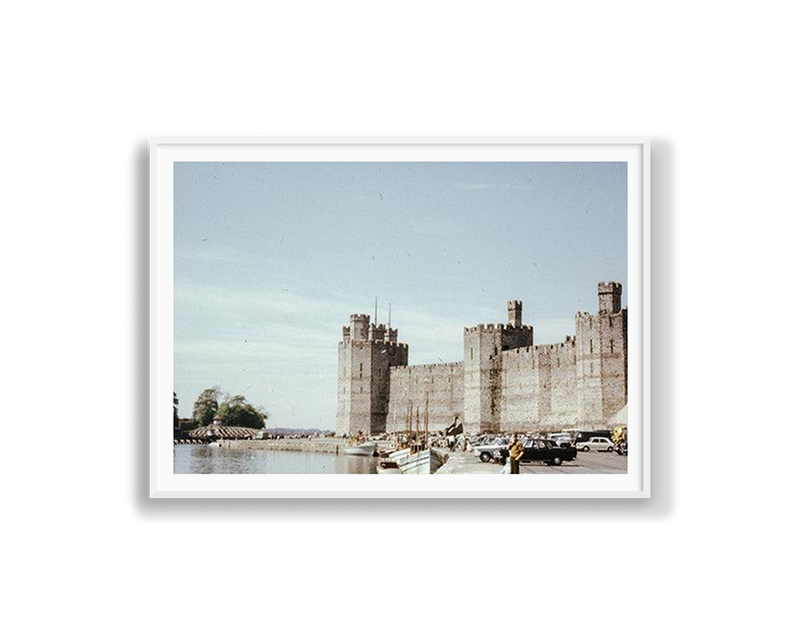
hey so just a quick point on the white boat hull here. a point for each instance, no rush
(365, 449)
(424, 462)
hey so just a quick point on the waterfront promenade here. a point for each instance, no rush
(458, 462)
(464, 462)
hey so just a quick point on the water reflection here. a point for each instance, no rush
(200, 458)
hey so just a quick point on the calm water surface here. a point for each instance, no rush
(200, 458)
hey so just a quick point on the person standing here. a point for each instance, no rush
(515, 452)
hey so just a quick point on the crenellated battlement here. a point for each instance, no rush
(429, 367)
(514, 313)
(610, 297)
(390, 344)
(609, 287)
(362, 330)
(484, 328)
(516, 356)
(376, 332)
(505, 381)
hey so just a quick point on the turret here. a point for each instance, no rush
(377, 332)
(366, 353)
(610, 297)
(359, 326)
(515, 313)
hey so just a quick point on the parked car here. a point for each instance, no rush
(485, 451)
(596, 444)
(583, 436)
(541, 450)
(562, 439)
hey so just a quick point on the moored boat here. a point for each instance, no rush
(361, 449)
(419, 458)
(425, 462)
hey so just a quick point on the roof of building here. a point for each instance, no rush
(226, 433)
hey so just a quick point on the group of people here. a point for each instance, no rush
(454, 439)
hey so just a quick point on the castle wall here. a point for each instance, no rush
(614, 362)
(516, 337)
(538, 388)
(519, 405)
(482, 347)
(444, 385)
(355, 387)
(602, 363)
(363, 375)
(556, 366)
(343, 396)
(505, 383)
(384, 357)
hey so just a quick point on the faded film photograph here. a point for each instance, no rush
(400, 318)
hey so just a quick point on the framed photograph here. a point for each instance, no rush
(399, 317)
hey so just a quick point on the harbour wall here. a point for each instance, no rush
(332, 445)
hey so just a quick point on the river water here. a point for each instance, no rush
(200, 458)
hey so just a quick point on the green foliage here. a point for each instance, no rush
(237, 412)
(175, 420)
(206, 406)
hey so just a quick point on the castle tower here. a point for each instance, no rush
(482, 347)
(359, 327)
(515, 313)
(483, 384)
(602, 358)
(610, 297)
(365, 354)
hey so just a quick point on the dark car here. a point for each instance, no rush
(582, 436)
(541, 450)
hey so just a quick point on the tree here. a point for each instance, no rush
(237, 412)
(175, 421)
(206, 406)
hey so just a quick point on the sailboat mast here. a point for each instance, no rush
(426, 419)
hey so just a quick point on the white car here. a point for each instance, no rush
(596, 444)
(485, 451)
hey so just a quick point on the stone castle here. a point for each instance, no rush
(505, 382)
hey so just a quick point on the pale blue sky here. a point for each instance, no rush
(272, 258)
